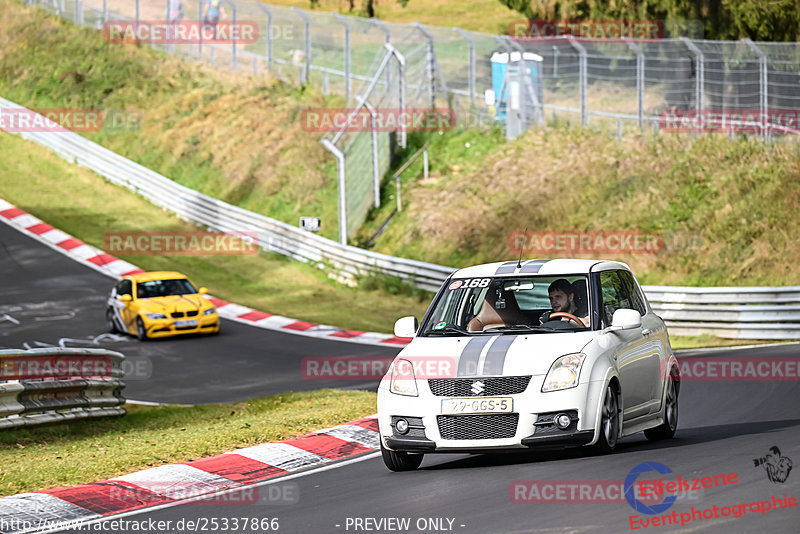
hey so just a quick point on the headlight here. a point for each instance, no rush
(210, 311)
(403, 381)
(564, 372)
(156, 316)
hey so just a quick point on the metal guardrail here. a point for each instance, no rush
(760, 312)
(190, 205)
(59, 384)
(732, 312)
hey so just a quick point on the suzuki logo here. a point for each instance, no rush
(477, 387)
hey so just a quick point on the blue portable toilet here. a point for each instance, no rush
(500, 63)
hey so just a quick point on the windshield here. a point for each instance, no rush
(163, 288)
(510, 305)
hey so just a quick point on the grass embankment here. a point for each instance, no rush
(234, 137)
(81, 203)
(728, 210)
(88, 451)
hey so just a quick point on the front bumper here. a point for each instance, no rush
(534, 429)
(206, 324)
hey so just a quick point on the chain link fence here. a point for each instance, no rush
(672, 84)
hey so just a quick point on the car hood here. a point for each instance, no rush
(485, 355)
(174, 303)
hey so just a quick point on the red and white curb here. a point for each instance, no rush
(175, 483)
(116, 268)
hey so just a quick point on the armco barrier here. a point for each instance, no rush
(732, 312)
(760, 313)
(55, 386)
(190, 205)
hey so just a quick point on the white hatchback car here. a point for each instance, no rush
(537, 353)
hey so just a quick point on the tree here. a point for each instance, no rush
(367, 6)
(773, 20)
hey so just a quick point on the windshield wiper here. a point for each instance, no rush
(522, 327)
(450, 330)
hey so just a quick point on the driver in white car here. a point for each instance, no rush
(562, 300)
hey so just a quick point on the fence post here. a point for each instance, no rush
(429, 58)
(306, 43)
(401, 61)
(347, 81)
(105, 11)
(582, 74)
(342, 193)
(382, 27)
(138, 11)
(699, 73)
(471, 43)
(763, 102)
(376, 179)
(233, 33)
(639, 81)
(269, 32)
(200, 21)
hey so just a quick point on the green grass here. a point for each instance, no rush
(235, 137)
(87, 451)
(728, 210)
(81, 203)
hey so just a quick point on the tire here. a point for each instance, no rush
(141, 333)
(609, 422)
(400, 461)
(110, 322)
(667, 429)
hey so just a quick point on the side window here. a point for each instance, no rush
(124, 287)
(636, 297)
(613, 296)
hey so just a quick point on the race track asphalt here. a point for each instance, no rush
(49, 299)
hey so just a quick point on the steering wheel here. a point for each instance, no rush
(568, 316)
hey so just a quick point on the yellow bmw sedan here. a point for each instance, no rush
(160, 304)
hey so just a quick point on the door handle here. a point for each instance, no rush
(645, 331)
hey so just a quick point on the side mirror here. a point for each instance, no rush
(625, 319)
(406, 326)
(124, 298)
(202, 290)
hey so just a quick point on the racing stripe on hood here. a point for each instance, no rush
(496, 356)
(468, 362)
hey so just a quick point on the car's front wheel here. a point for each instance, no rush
(141, 331)
(667, 429)
(111, 324)
(400, 461)
(609, 422)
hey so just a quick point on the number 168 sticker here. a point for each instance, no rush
(470, 282)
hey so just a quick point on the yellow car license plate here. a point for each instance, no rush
(478, 405)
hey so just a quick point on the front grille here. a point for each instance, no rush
(482, 426)
(191, 313)
(177, 315)
(462, 387)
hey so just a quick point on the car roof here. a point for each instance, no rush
(540, 267)
(154, 275)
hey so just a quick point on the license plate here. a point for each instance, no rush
(478, 405)
(187, 322)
